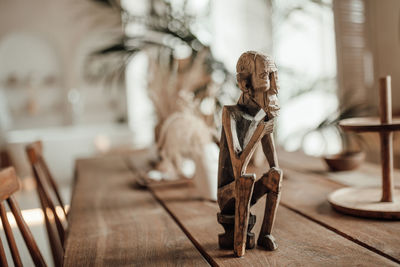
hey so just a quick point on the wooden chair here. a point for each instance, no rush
(49, 198)
(8, 185)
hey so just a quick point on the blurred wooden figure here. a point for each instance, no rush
(244, 125)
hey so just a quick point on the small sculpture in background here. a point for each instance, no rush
(244, 125)
(184, 136)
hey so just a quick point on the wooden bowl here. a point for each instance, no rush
(345, 161)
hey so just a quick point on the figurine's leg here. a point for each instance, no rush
(225, 195)
(243, 189)
(265, 239)
(226, 200)
(273, 184)
(261, 186)
(260, 189)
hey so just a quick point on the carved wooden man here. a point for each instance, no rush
(245, 124)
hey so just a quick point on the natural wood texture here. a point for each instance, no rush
(386, 139)
(244, 126)
(244, 189)
(35, 156)
(306, 174)
(367, 175)
(3, 258)
(345, 161)
(377, 235)
(385, 100)
(5, 160)
(10, 237)
(369, 124)
(9, 185)
(302, 242)
(385, 106)
(310, 232)
(50, 198)
(113, 223)
(356, 200)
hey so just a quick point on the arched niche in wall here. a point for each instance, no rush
(30, 82)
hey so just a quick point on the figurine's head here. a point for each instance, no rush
(257, 77)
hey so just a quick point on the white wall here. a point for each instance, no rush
(239, 26)
(45, 38)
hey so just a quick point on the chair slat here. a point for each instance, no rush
(56, 246)
(3, 258)
(49, 203)
(52, 183)
(26, 233)
(50, 197)
(10, 237)
(8, 183)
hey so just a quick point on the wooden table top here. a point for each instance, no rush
(112, 222)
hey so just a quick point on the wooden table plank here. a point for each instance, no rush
(301, 242)
(369, 174)
(112, 223)
(305, 190)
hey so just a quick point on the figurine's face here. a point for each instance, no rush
(257, 79)
(264, 84)
(260, 77)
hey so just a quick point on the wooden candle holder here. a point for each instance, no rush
(373, 202)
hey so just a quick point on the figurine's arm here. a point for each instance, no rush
(229, 125)
(269, 150)
(232, 140)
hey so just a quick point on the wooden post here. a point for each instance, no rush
(385, 108)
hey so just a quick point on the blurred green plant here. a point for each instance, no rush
(166, 30)
(348, 109)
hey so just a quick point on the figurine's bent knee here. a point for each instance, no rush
(274, 180)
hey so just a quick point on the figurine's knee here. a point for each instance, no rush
(274, 180)
(226, 197)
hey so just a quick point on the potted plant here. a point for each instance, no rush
(352, 152)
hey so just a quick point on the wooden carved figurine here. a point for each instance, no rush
(245, 124)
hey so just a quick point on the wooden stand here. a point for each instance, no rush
(373, 202)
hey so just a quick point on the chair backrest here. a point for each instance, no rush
(8, 185)
(56, 223)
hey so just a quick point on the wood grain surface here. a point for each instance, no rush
(365, 202)
(306, 189)
(368, 174)
(301, 242)
(111, 223)
(369, 124)
(8, 183)
(385, 112)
